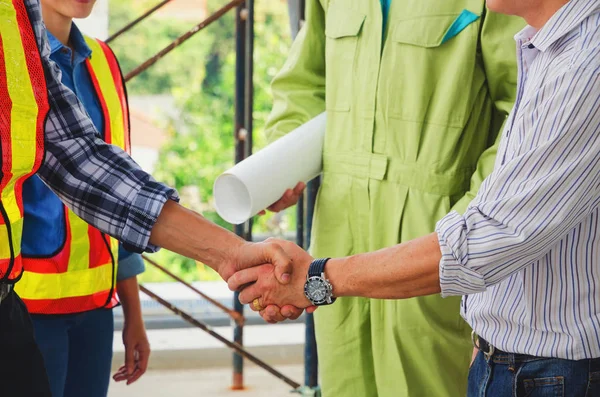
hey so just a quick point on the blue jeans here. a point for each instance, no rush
(77, 351)
(519, 375)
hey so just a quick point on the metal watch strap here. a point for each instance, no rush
(317, 267)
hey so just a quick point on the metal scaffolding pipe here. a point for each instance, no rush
(136, 21)
(238, 348)
(237, 317)
(181, 39)
(244, 94)
(240, 135)
(249, 86)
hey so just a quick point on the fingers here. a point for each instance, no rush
(272, 314)
(141, 357)
(243, 277)
(249, 294)
(311, 309)
(265, 317)
(129, 359)
(291, 312)
(121, 374)
(254, 254)
(289, 198)
(282, 262)
(141, 365)
(284, 202)
(135, 376)
(299, 189)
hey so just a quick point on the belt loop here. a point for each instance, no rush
(488, 355)
(511, 362)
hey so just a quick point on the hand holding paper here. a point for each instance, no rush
(262, 179)
(289, 198)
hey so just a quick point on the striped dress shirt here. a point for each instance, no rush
(526, 253)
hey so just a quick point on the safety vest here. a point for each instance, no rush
(81, 276)
(23, 110)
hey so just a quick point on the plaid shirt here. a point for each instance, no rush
(99, 182)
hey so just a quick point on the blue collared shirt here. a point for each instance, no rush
(44, 227)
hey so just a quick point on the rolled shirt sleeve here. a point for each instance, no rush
(544, 186)
(456, 277)
(98, 181)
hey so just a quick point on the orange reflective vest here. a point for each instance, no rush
(82, 275)
(23, 110)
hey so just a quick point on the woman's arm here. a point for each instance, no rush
(137, 347)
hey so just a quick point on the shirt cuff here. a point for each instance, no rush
(130, 266)
(456, 278)
(142, 216)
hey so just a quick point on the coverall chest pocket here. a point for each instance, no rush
(342, 30)
(434, 59)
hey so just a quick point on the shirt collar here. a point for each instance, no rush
(561, 23)
(77, 40)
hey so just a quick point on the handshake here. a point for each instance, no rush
(270, 277)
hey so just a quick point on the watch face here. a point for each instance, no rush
(316, 289)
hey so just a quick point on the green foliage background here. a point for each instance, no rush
(200, 75)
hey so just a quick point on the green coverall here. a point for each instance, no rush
(412, 120)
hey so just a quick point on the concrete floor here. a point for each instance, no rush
(208, 383)
(190, 363)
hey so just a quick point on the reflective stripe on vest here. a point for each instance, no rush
(23, 110)
(82, 275)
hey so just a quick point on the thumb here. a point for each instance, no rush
(254, 254)
(282, 263)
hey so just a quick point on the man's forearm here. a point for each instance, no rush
(190, 234)
(403, 271)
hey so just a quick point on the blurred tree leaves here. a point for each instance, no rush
(200, 74)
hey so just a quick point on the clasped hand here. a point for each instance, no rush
(277, 288)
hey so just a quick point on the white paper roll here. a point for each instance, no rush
(261, 179)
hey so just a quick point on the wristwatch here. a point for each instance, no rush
(318, 289)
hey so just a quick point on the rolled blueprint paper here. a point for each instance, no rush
(260, 180)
